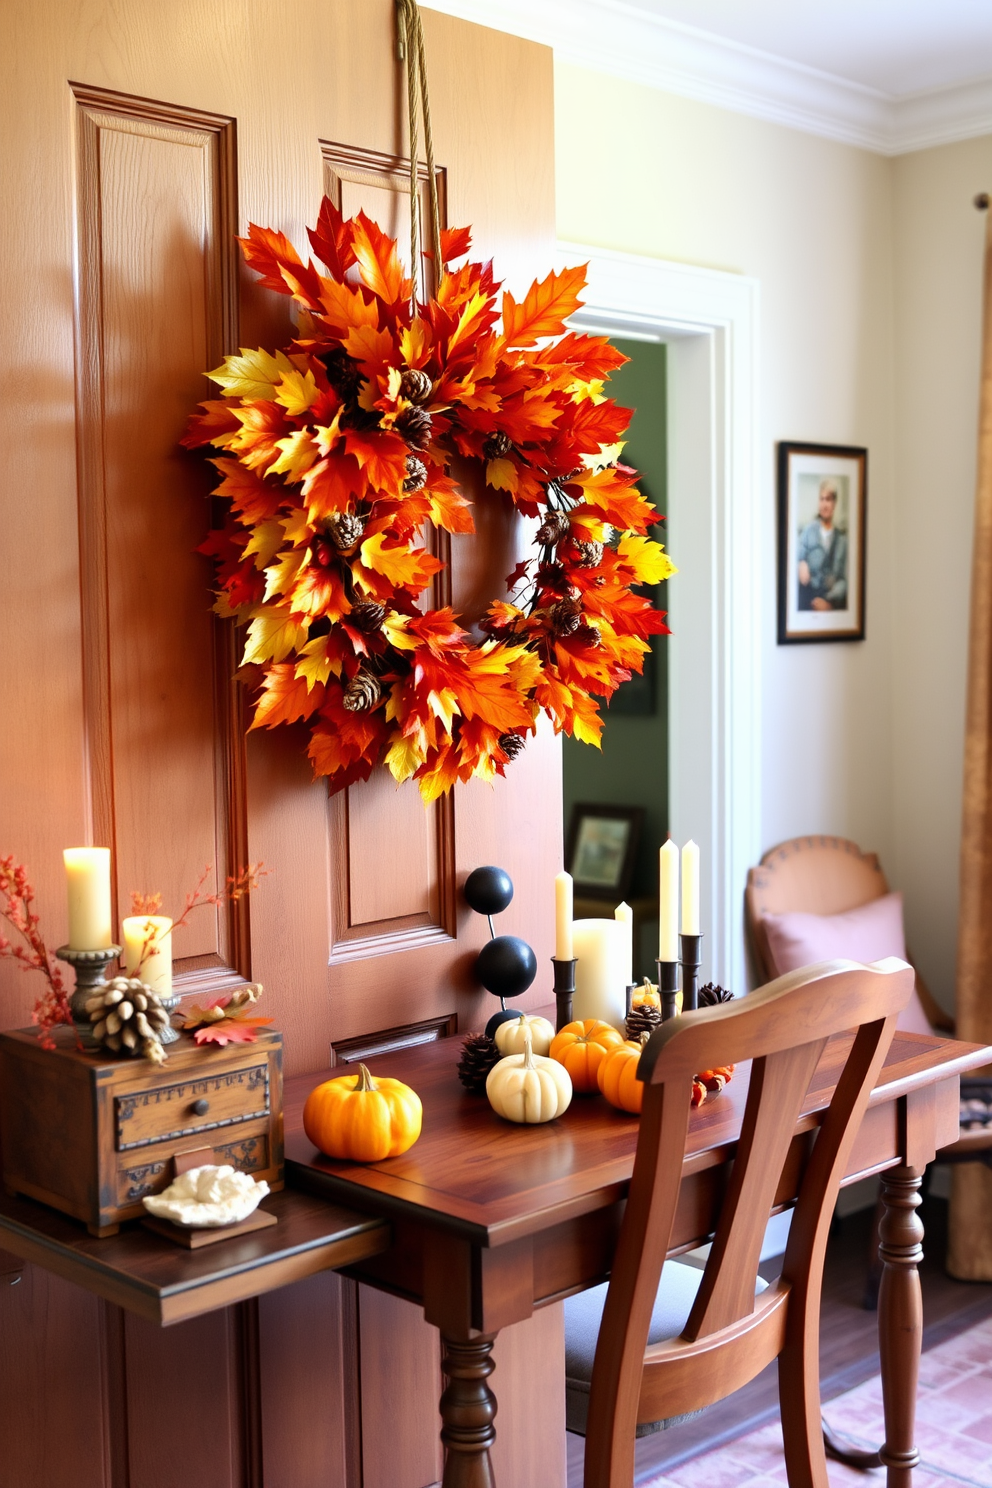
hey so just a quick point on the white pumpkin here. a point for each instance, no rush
(527, 1087)
(511, 1035)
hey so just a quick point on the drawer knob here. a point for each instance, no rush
(200, 1107)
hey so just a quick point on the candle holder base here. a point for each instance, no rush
(690, 947)
(91, 973)
(169, 1035)
(668, 988)
(564, 991)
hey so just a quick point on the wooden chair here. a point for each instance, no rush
(829, 875)
(731, 1333)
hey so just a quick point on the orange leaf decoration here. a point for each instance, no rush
(337, 452)
(230, 1031)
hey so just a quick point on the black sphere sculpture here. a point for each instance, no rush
(506, 966)
(502, 1015)
(488, 890)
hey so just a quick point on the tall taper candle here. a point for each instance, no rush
(668, 897)
(156, 969)
(690, 889)
(87, 872)
(624, 915)
(563, 917)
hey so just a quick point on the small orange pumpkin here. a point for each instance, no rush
(363, 1119)
(618, 1076)
(581, 1047)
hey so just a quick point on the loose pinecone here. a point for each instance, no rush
(554, 527)
(367, 616)
(128, 1017)
(479, 1054)
(415, 385)
(644, 1018)
(497, 445)
(590, 554)
(415, 426)
(566, 617)
(416, 474)
(362, 692)
(712, 995)
(342, 372)
(345, 530)
(511, 745)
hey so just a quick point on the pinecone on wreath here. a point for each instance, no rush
(362, 692)
(416, 475)
(127, 1016)
(565, 617)
(511, 745)
(479, 1054)
(415, 425)
(415, 385)
(366, 616)
(342, 372)
(345, 530)
(711, 995)
(644, 1018)
(497, 445)
(590, 554)
(554, 527)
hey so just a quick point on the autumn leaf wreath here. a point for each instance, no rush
(337, 459)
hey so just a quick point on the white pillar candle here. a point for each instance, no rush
(624, 915)
(690, 889)
(668, 896)
(87, 873)
(563, 917)
(151, 935)
(600, 990)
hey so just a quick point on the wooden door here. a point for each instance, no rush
(137, 140)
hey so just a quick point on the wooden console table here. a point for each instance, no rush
(490, 1221)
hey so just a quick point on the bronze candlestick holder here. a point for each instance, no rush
(689, 958)
(668, 988)
(91, 974)
(564, 991)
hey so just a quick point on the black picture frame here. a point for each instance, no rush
(807, 611)
(602, 848)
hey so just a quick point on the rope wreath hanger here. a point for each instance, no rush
(411, 49)
(335, 456)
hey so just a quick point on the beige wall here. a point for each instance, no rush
(869, 274)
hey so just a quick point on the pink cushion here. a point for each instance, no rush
(869, 933)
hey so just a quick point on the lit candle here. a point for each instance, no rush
(151, 934)
(668, 896)
(690, 889)
(600, 989)
(563, 917)
(87, 872)
(624, 915)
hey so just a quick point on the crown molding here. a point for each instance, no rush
(615, 37)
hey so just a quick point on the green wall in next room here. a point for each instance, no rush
(632, 768)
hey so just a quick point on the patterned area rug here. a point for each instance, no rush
(953, 1429)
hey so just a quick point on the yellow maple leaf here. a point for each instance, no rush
(296, 527)
(648, 559)
(329, 434)
(265, 541)
(396, 629)
(272, 635)
(415, 343)
(502, 475)
(251, 374)
(444, 705)
(315, 665)
(408, 568)
(281, 575)
(298, 454)
(404, 756)
(296, 391)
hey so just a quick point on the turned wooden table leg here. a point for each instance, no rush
(468, 1407)
(900, 1320)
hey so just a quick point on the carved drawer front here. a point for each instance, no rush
(191, 1107)
(151, 1170)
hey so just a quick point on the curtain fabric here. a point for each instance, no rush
(970, 1250)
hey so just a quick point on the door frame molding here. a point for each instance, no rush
(709, 320)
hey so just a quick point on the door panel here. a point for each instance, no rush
(137, 139)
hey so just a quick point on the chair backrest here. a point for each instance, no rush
(819, 875)
(731, 1335)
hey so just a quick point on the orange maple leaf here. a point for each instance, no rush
(378, 260)
(331, 239)
(232, 1030)
(403, 567)
(382, 456)
(285, 697)
(545, 307)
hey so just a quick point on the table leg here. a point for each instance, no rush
(900, 1320)
(467, 1410)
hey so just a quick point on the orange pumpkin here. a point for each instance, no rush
(618, 1076)
(581, 1047)
(646, 995)
(363, 1119)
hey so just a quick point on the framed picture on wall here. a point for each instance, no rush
(602, 846)
(822, 500)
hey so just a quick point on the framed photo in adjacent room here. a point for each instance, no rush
(602, 846)
(822, 501)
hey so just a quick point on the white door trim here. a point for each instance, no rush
(709, 320)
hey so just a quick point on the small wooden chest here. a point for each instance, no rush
(92, 1135)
